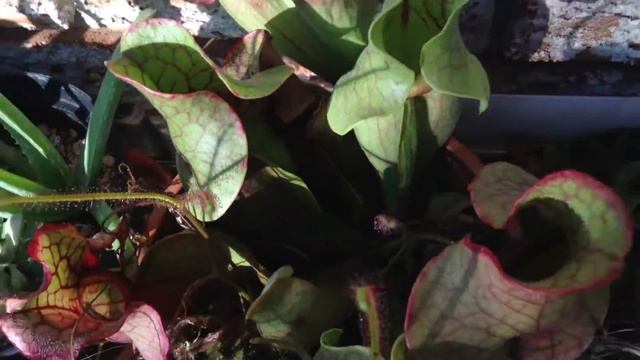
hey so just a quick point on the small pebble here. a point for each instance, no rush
(108, 161)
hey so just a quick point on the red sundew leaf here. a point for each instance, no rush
(73, 309)
(463, 304)
(143, 327)
(495, 189)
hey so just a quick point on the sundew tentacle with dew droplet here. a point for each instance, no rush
(85, 201)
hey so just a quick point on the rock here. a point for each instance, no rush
(475, 24)
(205, 20)
(40, 13)
(562, 30)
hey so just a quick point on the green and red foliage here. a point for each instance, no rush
(76, 304)
(321, 141)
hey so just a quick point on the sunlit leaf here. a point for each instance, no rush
(496, 188)
(399, 117)
(309, 31)
(446, 64)
(376, 88)
(241, 69)
(387, 69)
(143, 327)
(72, 309)
(342, 24)
(162, 61)
(554, 316)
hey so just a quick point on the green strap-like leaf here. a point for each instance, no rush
(14, 160)
(43, 156)
(101, 119)
(20, 186)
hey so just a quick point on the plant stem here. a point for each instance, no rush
(465, 155)
(161, 199)
(419, 87)
(368, 300)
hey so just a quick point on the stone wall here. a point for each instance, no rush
(206, 20)
(564, 30)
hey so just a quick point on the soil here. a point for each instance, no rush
(67, 141)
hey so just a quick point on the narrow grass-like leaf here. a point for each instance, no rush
(15, 161)
(100, 127)
(20, 186)
(42, 155)
(101, 119)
